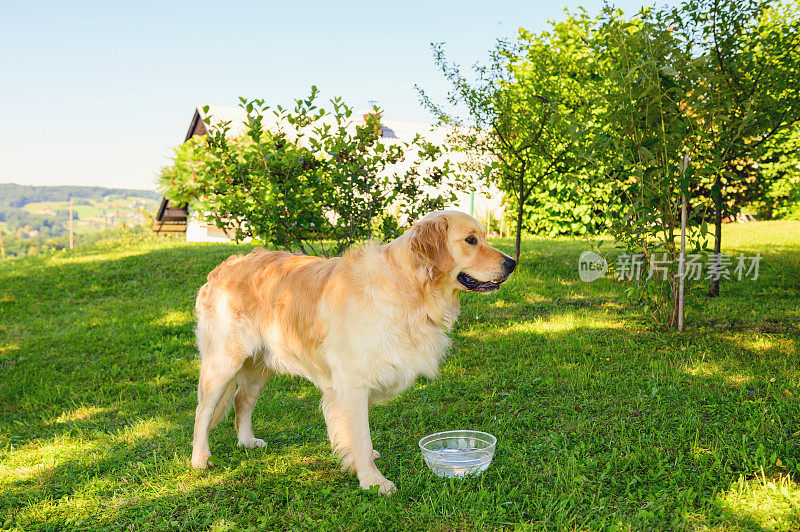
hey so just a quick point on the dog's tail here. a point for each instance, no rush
(224, 404)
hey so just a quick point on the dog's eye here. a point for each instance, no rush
(471, 240)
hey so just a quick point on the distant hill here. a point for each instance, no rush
(18, 196)
(33, 216)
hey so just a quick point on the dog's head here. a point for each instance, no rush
(452, 247)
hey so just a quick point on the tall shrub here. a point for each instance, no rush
(317, 179)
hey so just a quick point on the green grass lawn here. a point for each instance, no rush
(602, 421)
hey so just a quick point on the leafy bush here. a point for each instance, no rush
(788, 187)
(781, 167)
(569, 209)
(318, 180)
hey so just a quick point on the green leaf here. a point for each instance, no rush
(669, 71)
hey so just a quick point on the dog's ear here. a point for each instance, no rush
(429, 242)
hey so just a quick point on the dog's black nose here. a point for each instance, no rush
(509, 264)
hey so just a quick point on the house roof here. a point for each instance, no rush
(171, 216)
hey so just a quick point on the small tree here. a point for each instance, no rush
(316, 180)
(648, 133)
(561, 62)
(525, 116)
(748, 53)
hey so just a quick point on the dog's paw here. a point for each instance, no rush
(252, 443)
(385, 486)
(199, 462)
(375, 454)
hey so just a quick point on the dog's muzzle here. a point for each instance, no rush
(474, 285)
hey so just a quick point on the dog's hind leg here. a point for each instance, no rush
(217, 379)
(252, 378)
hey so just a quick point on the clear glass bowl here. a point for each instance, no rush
(455, 453)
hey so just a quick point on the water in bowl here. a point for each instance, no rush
(458, 462)
(455, 453)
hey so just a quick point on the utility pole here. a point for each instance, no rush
(70, 223)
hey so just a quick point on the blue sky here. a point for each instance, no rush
(97, 93)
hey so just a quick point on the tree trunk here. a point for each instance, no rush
(713, 288)
(682, 263)
(519, 230)
(521, 197)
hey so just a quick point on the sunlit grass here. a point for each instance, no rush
(709, 369)
(174, 318)
(78, 414)
(771, 503)
(762, 236)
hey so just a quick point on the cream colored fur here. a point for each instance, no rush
(361, 327)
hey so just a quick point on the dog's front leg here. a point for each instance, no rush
(347, 417)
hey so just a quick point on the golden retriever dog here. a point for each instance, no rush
(361, 327)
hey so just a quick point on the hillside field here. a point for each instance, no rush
(603, 422)
(101, 213)
(35, 219)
